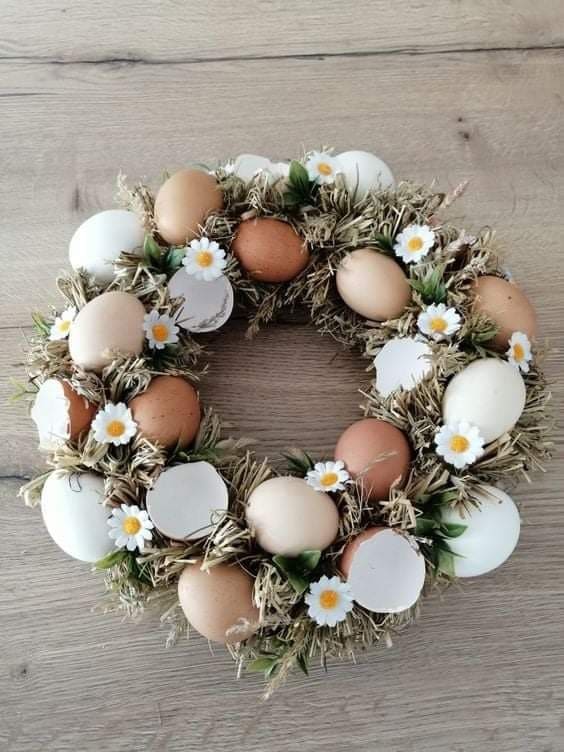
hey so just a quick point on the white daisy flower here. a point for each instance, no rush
(329, 601)
(414, 242)
(459, 444)
(519, 353)
(159, 329)
(62, 325)
(438, 322)
(328, 476)
(130, 527)
(204, 259)
(322, 167)
(114, 424)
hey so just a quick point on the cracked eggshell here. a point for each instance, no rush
(489, 393)
(364, 172)
(507, 306)
(184, 500)
(218, 603)
(100, 240)
(491, 535)
(402, 363)
(110, 323)
(60, 413)
(269, 250)
(246, 166)
(386, 571)
(288, 516)
(74, 515)
(207, 305)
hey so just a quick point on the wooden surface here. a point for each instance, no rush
(439, 88)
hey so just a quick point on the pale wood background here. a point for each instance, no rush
(439, 88)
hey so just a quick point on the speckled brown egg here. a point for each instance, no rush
(183, 203)
(507, 306)
(376, 453)
(270, 250)
(218, 603)
(168, 411)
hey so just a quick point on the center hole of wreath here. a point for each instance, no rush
(288, 387)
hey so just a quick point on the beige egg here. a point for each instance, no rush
(288, 516)
(218, 603)
(507, 306)
(168, 411)
(183, 203)
(373, 284)
(108, 325)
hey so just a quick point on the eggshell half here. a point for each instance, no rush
(218, 603)
(373, 285)
(269, 250)
(488, 393)
(491, 535)
(184, 202)
(507, 306)
(246, 166)
(100, 240)
(288, 516)
(74, 515)
(402, 363)
(109, 324)
(60, 413)
(168, 411)
(185, 499)
(386, 572)
(376, 453)
(364, 172)
(207, 305)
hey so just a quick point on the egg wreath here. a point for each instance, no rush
(322, 558)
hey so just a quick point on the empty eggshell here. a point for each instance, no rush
(270, 250)
(288, 516)
(373, 285)
(60, 413)
(184, 202)
(167, 412)
(108, 325)
(507, 306)
(246, 166)
(218, 602)
(491, 535)
(98, 242)
(401, 364)
(386, 572)
(364, 172)
(489, 394)
(375, 453)
(74, 515)
(184, 500)
(207, 305)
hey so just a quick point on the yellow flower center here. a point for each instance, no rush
(64, 326)
(131, 526)
(438, 324)
(414, 244)
(459, 444)
(324, 169)
(115, 428)
(160, 332)
(518, 352)
(328, 598)
(204, 258)
(329, 479)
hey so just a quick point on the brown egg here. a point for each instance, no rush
(377, 453)
(218, 603)
(351, 548)
(269, 250)
(168, 411)
(373, 285)
(60, 413)
(184, 202)
(507, 306)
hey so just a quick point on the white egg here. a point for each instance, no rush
(207, 305)
(98, 242)
(75, 517)
(185, 500)
(492, 532)
(489, 394)
(401, 364)
(364, 172)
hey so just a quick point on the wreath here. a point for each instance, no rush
(309, 558)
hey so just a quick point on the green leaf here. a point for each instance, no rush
(40, 323)
(445, 562)
(384, 241)
(431, 286)
(298, 177)
(298, 569)
(301, 660)
(174, 259)
(299, 462)
(109, 561)
(452, 529)
(261, 664)
(309, 559)
(425, 526)
(152, 251)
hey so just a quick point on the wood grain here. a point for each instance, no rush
(439, 89)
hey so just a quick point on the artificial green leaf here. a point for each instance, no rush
(116, 557)
(40, 323)
(452, 529)
(298, 569)
(384, 241)
(308, 559)
(174, 258)
(298, 177)
(424, 526)
(445, 562)
(152, 251)
(430, 286)
(261, 664)
(299, 462)
(301, 660)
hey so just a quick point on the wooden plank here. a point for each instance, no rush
(170, 31)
